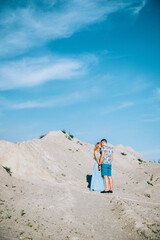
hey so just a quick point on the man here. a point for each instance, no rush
(105, 165)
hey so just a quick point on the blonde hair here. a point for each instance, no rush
(96, 146)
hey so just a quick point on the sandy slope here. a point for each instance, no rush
(49, 184)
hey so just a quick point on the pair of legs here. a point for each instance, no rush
(108, 183)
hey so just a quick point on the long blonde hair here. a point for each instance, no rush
(96, 146)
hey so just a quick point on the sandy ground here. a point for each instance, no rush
(47, 196)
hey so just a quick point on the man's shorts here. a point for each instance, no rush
(106, 169)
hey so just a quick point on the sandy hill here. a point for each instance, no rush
(49, 181)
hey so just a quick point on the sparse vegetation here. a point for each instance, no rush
(124, 154)
(42, 136)
(147, 195)
(8, 216)
(156, 179)
(29, 224)
(69, 136)
(22, 212)
(80, 143)
(8, 170)
(155, 161)
(63, 174)
(21, 233)
(149, 183)
(67, 237)
(140, 160)
(151, 178)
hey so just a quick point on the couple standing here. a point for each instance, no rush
(102, 173)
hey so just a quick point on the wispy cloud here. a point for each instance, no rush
(31, 24)
(151, 154)
(137, 6)
(117, 107)
(56, 101)
(156, 119)
(149, 118)
(141, 83)
(154, 96)
(38, 22)
(157, 93)
(124, 84)
(29, 72)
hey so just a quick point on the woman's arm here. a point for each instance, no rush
(96, 156)
(101, 160)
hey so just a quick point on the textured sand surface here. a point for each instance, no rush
(49, 182)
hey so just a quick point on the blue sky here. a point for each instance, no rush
(88, 66)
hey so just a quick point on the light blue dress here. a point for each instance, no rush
(97, 182)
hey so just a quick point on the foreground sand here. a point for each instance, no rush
(49, 182)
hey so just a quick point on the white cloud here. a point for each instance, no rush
(117, 107)
(34, 71)
(155, 97)
(56, 101)
(151, 154)
(23, 28)
(157, 119)
(138, 6)
(141, 83)
(158, 93)
(151, 117)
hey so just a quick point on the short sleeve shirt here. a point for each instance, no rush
(108, 152)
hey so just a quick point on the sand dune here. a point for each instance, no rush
(49, 182)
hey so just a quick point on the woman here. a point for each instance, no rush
(97, 182)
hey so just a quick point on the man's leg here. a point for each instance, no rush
(111, 183)
(106, 183)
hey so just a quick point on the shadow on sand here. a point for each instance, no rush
(88, 180)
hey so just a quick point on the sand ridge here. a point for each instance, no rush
(49, 182)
